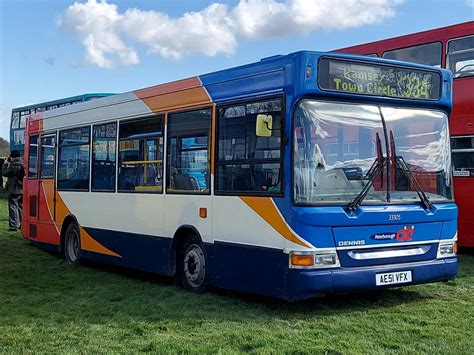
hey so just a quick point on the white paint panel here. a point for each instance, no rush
(236, 222)
(109, 108)
(184, 210)
(127, 212)
(229, 219)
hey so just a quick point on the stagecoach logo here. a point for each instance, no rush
(403, 235)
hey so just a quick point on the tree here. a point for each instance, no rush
(4, 147)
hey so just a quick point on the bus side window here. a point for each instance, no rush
(247, 163)
(188, 152)
(33, 158)
(141, 155)
(460, 59)
(462, 149)
(73, 162)
(48, 154)
(429, 54)
(104, 139)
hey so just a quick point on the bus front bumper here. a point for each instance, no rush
(302, 284)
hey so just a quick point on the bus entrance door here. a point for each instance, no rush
(47, 191)
(30, 191)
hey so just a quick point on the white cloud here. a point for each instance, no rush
(97, 25)
(211, 31)
(470, 3)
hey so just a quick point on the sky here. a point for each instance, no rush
(50, 49)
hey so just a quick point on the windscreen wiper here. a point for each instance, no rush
(403, 167)
(374, 171)
(377, 167)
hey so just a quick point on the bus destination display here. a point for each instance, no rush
(380, 80)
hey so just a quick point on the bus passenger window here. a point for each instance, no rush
(104, 138)
(141, 155)
(247, 163)
(73, 162)
(460, 59)
(188, 151)
(33, 158)
(48, 153)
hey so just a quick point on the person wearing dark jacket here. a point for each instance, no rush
(14, 170)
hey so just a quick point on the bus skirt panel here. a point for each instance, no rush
(301, 284)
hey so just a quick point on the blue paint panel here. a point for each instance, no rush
(303, 284)
(248, 268)
(346, 260)
(449, 229)
(314, 223)
(264, 83)
(364, 279)
(257, 270)
(138, 251)
(375, 234)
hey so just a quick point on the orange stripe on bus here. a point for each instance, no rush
(177, 100)
(90, 244)
(268, 211)
(168, 88)
(87, 242)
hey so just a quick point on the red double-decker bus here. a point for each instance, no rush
(450, 47)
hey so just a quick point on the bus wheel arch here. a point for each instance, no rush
(189, 259)
(70, 228)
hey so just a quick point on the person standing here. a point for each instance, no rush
(14, 170)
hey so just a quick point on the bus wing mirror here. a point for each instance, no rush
(263, 127)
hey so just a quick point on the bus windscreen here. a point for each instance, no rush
(354, 77)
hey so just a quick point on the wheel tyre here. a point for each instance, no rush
(72, 244)
(192, 266)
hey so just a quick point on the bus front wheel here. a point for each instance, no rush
(192, 266)
(72, 244)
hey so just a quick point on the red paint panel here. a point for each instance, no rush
(463, 194)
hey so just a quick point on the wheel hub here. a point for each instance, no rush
(194, 265)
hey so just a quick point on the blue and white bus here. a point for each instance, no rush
(19, 115)
(295, 176)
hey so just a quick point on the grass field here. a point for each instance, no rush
(48, 306)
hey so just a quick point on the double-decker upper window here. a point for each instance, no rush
(141, 155)
(73, 162)
(15, 119)
(429, 54)
(460, 59)
(247, 163)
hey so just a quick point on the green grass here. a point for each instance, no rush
(49, 306)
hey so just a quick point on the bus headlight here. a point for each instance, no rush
(447, 249)
(325, 259)
(310, 260)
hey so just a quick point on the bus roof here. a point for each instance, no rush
(433, 35)
(60, 101)
(266, 77)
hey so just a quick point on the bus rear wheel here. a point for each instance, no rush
(72, 244)
(192, 266)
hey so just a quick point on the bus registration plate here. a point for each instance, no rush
(391, 278)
